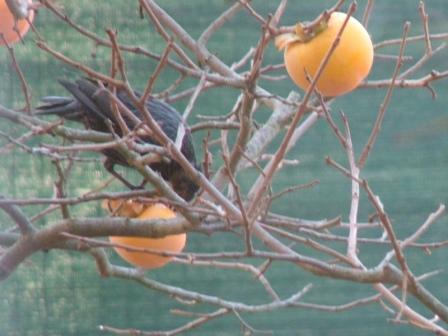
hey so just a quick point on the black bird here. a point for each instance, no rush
(91, 105)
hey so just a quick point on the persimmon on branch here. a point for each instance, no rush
(222, 204)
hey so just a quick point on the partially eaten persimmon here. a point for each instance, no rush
(172, 243)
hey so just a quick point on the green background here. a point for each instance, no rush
(60, 293)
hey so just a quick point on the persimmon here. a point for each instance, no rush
(349, 64)
(12, 31)
(172, 243)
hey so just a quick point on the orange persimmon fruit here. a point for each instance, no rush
(7, 22)
(172, 243)
(349, 64)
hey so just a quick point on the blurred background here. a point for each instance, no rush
(61, 293)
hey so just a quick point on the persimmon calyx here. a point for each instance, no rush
(281, 41)
(302, 33)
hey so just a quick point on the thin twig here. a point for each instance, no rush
(257, 274)
(219, 22)
(163, 61)
(425, 22)
(433, 217)
(367, 12)
(329, 161)
(399, 254)
(376, 128)
(194, 97)
(352, 245)
(412, 39)
(25, 89)
(309, 242)
(294, 189)
(176, 331)
(246, 222)
(425, 58)
(161, 30)
(325, 16)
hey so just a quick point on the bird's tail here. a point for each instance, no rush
(65, 107)
(73, 108)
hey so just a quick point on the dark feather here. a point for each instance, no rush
(91, 105)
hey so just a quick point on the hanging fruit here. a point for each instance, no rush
(15, 23)
(349, 64)
(172, 243)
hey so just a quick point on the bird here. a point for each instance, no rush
(90, 104)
